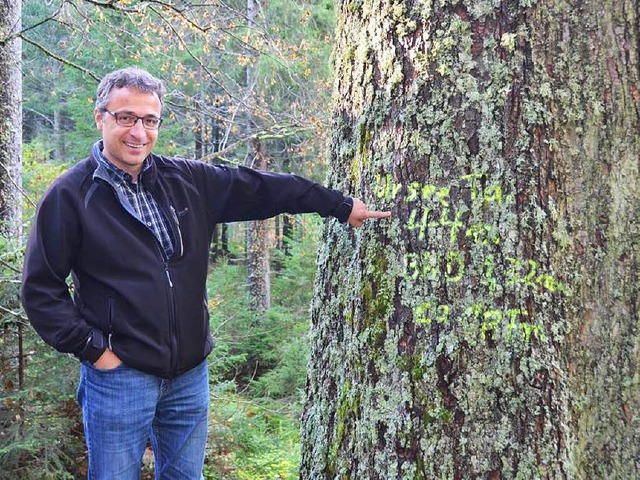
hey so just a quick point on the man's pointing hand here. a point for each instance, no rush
(359, 213)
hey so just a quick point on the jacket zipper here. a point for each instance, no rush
(173, 357)
(173, 348)
(173, 325)
(166, 270)
(172, 307)
(173, 354)
(111, 315)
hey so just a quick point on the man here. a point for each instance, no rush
(133, 229)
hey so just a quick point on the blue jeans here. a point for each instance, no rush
(123, 407)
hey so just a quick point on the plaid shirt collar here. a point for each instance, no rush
(115, 173)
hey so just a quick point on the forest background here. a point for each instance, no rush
(247, 83)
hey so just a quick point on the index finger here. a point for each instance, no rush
(378, 214)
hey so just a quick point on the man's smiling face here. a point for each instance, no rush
(127, 147)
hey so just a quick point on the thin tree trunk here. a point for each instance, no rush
(219, 242)
(10, 121)
(199, 140)
(213, 251)
(257, 235)
(11, 146)
(224, 239)
(57, 135)
(277, 241)
(21, 364)
(287, 234)
(215, 135)
(258, 271)
(200, 130)
(490, 328)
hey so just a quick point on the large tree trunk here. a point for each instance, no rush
(10, 120)
(490, 328)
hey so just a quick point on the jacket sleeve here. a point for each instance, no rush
(54, 238)
(240, 193)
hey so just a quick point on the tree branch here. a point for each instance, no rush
(113, 5)
(191, 54)
(36, 25)
(59, 58)
(10, 267)
(17, 185)
(263, 135)
(19, 316)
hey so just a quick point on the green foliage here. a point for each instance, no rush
(292, 289)
(37, 174)
(259, 364)
(267, 351)
(39, 418)
(287, 377)
(251, 440)
(40, 427)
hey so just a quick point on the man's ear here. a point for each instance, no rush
(99, 118)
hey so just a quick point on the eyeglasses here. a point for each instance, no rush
(129, 120)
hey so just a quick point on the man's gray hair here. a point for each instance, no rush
(131, 77)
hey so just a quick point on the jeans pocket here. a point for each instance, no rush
(120, 367)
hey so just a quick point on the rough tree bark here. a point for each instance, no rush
(489, 329)
(11, 153)
(10, 120)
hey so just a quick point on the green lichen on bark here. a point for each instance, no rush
(466, 325)
(595, 98)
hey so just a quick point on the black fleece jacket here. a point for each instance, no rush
(150, 309)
